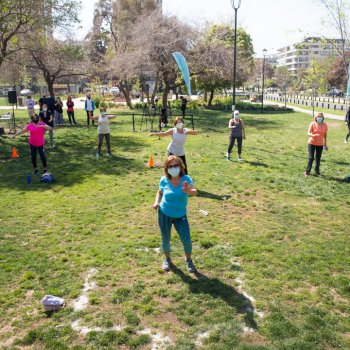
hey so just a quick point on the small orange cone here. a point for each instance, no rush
(150, 162)
(14, 153)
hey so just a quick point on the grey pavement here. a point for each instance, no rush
(306, 111)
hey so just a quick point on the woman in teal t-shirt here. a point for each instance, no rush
(171, 200)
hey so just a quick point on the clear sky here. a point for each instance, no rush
(272, 24)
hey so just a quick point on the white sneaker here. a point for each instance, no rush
(239, 159)
(109, 154)
(97, 155)
(345, 141)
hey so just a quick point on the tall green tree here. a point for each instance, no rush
(212, 58)
(20, 18)
(338, 19)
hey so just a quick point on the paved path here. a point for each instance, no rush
(302, 110)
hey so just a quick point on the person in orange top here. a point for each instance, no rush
(317, 142)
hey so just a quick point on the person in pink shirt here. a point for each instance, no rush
(36, 141)
(317, 142)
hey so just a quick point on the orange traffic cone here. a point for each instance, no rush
(150, 162)
(14, 153)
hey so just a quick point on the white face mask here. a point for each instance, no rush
(179, 125)
(44, 109)
(319, 120)
(103, 114)
(173, 172)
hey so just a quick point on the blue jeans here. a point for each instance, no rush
(182, 228)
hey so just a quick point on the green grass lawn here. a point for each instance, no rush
(273, 252)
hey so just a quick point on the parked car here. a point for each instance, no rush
(335, 93)
(114, 90)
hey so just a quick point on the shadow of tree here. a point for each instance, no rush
(217, 289)
(72, 160)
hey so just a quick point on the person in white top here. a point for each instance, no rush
(178, 139)
(30, 106)
(103, 130)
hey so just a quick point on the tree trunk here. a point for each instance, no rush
(49, 82)
(165, 96)
(124, 86)
(155, 89)
(205, 96)
(211, 98)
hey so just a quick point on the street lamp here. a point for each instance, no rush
(263, 81)
(235, 5)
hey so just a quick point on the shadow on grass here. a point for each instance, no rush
(257, 164)
(217, 289)
(209, 195)
(72, 160)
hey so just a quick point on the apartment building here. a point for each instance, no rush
(298, 56)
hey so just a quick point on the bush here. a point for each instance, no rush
(97, 102)
(111, 104)
(176, 104)
(103, 104)
(140, 105)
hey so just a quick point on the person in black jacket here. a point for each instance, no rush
(50, 103)
(183, 105)
(347, 121)
(46, 116)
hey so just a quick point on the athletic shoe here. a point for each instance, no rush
(36, 172)
(318, 174)
(345, 141)
(109, 154)
(166, 264)
(190, 266)
(239, 159)
(228, 158)
(306, 174)
(97, 155)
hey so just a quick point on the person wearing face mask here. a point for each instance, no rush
(178, 139)
(171, 203)
(36, 141)
(103, 130)
(317, 142)
(47, 117)
(237, 133)
(58, 111)
(89, 108)
(70, 110)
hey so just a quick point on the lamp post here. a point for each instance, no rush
(235, 5)
(263, 81)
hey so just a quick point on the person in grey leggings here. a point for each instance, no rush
(237, 133)
(104, 130)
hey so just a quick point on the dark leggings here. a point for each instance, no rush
(183, 158)
(40, 149)
(71, 117)
(232, 142)
(108, 141)
(348, 134)
(312, 150)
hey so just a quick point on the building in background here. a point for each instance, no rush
(298, 56)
